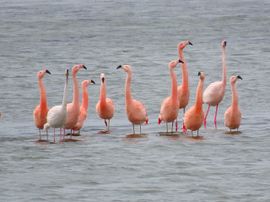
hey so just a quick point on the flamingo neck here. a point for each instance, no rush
(224, 68)
(43, 100)
(102, 96)
(64, 102)
(184, 70)
(174, 86)
(199, 100)
(234, 97)
(85, 97)
(75, 91)
(128, 90)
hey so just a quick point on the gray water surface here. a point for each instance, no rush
(103, 34)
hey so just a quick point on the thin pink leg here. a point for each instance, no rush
(205, 117)
(183, 126)
(54, 135)
(215, 119)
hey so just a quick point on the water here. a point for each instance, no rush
(144, 34)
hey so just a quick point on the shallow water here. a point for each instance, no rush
(144, 34)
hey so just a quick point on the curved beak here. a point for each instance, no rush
(199, 73)
(189, 43)
(180, 61)
(84, 67)
(102, 79)
(48, 72)
(120, 66)
(67, 72)
(239, 77)
(92, 81)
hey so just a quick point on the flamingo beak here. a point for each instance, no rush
(199, 73)
(92, 81)
(180, 61)
(67, 72)
(102, 79)
(120, 66)
(189, 43)
(239, 77)
(48, 72)
(224, 43)
(84, 67)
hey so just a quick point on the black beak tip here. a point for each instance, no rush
(120, 66)
(48, 72)
(239, 77)
(180, 61)
(93, 82)
(190, 43)
(225, 43)
(199, 73)
(102, 79)
(84, 67)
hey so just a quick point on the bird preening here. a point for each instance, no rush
(72, 116)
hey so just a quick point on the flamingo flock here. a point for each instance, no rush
(71, 116)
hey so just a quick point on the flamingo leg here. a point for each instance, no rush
(176, 125)
(60, 134)
(204, 120)
(47, 135)
(106, 124)
(167, 126)
(184, 111)
(140, 129)
(197, 133)
(172, 128)
(109, 122)
(64, 134)
(54, 135)
(133, 128)
(215, 118)
(39, 134)
(71, 133)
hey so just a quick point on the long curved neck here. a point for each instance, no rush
(128, 90)
(174, 86)
(76, 98)
(85, 97)
(102, 96)
(184, 70)
(64, 102)
(234, 96)
(43, 99)
(224, 68)
(199, 101)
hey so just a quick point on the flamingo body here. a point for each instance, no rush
(232, 116)
(214, 93)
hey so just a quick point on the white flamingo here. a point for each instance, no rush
(56, 116)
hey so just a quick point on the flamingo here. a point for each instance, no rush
(56, 116)
(193, 118)
(232, 116)
(84, 105)
(41, 110)
(170, 105)
(105, 106)
(214, 93)
(73, 109)
(183, 90)
(135, 110)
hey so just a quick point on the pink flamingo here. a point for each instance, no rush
(193, 118)
(105, 106)
(73, 109)
(170, 105)
(135, 110)
(183, 90)
(41, 110)
(84, 105)
(232, 116)
(214, 93)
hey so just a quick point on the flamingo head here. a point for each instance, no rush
(183, 44)
(201, 75)
(235, 78)
(102, 77)
(86, 83)
(223, 43)
(126, 68)
(41, 73)
(173, 63)
(76, 68)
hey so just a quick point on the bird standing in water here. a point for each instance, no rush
(183, 89)
(56, 116)
(84, 105)
(214, 93)
(105, 106)
(41, 110)
(135, 110)
(170, 105)
(232, 116)
(193, 118)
